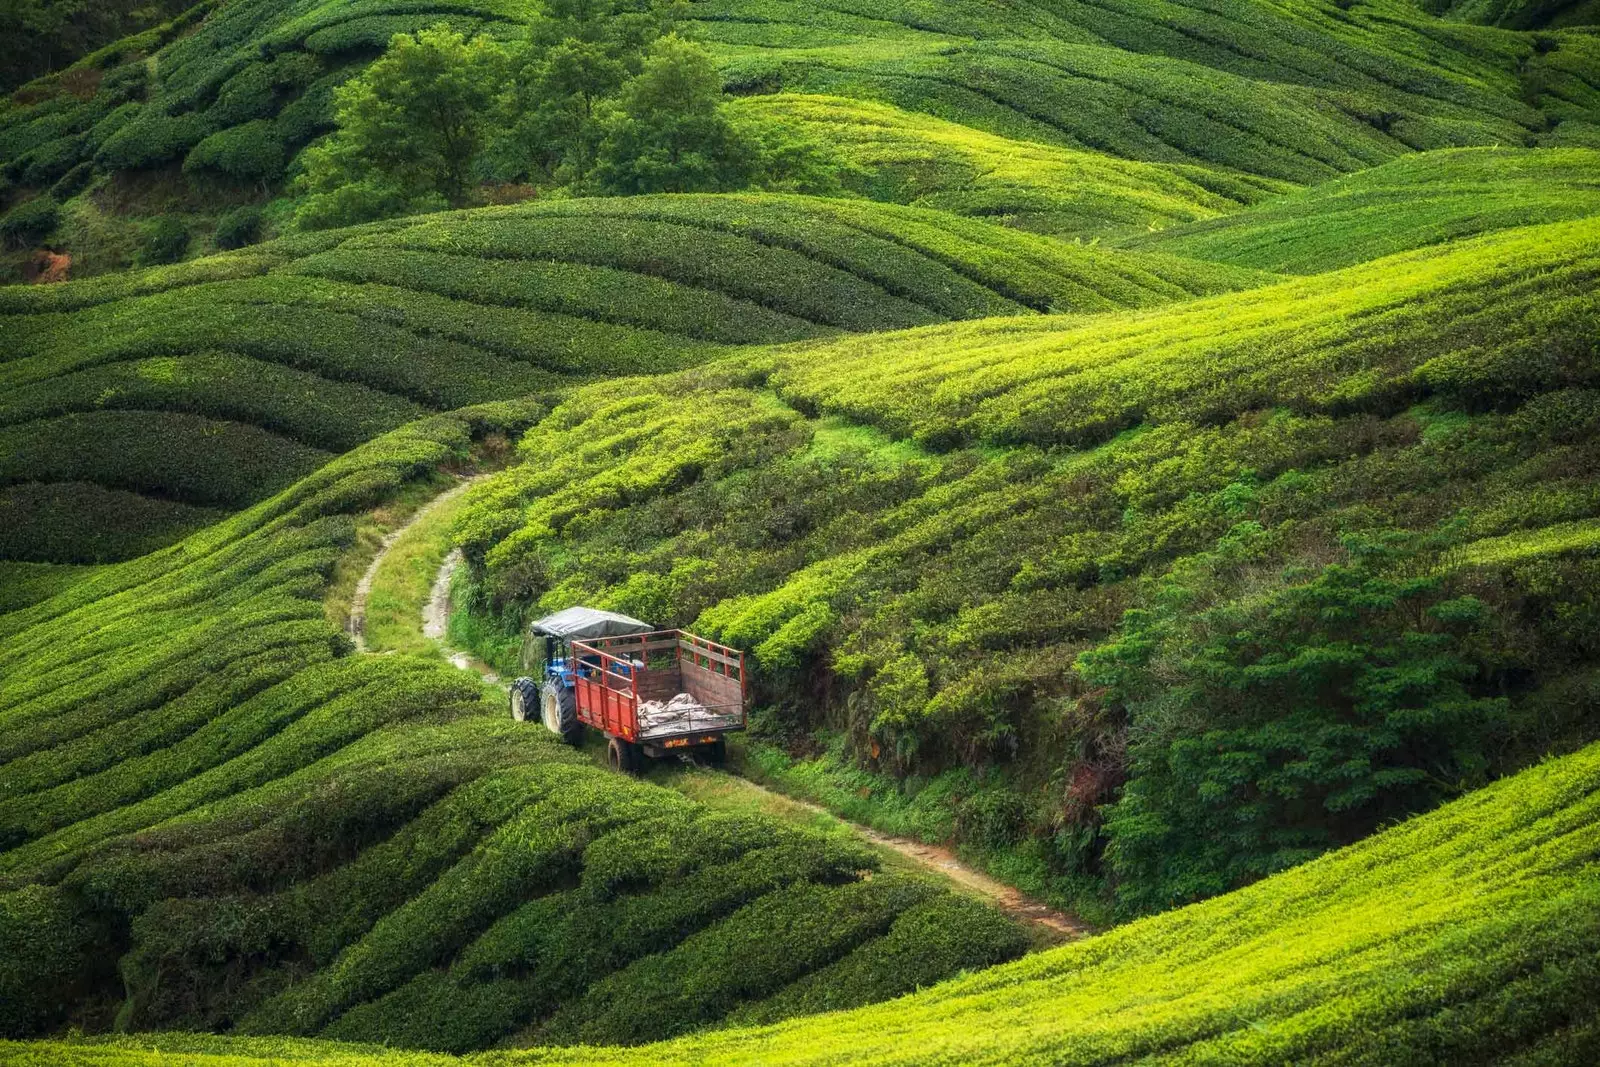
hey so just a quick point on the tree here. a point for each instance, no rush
(578, 55)
(667, 132)
(1270, 726)
(410, 127)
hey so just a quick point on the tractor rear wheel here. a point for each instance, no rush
(524, 699)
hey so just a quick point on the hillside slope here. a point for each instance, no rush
(1464, 936)
(214, 816)
(1416, 201)
(1164, 473)
(267, 361)
(918, 535)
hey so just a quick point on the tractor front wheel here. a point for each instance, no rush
(558, 707)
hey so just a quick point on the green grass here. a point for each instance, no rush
(1427, 199)
(404, 582)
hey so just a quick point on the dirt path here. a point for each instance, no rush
(939, 860)
(357, 626)
(436, 618)
(1008, 899)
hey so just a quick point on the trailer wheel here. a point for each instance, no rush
(623, 756)
(524, 698)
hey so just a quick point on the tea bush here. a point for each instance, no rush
(929, 162)
(930, 602)
(264, 832)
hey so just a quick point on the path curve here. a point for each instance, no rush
(357, 626)
(937, 859)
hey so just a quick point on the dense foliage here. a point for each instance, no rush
(925, 587)
(1465, 935)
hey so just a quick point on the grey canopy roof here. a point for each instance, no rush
(584, 623)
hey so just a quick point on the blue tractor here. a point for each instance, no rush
(548, 692)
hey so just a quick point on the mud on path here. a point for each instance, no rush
(936, 859)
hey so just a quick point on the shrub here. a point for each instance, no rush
(248, 153)
(194, 459)
(79, 522)
(151, 137)
(29, 222)
(239, 227)
(46, 958)
(165, 241)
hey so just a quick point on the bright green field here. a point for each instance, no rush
(1469, 929)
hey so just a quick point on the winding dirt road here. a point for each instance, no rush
(938, 859)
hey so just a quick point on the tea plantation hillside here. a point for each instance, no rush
(210, 112)
(1419, 200)
(1146, 451)
(972, 553)
(1463, 936)
(905, 157)
(213, 816)
(139, 407)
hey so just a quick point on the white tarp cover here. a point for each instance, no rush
(586, 623)
(680, 715)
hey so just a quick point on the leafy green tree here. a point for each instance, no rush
(578, 55)
(668, 133)
(409, 128)
(1269, 727)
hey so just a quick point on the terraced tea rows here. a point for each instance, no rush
(1414, 202)
(919, 534)
(212, 806)
(1336, 960)
(1301, 93)
(266, 361)
(912, 158)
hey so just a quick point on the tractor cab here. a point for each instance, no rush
(547, 691)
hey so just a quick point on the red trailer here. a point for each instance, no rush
(659, 693)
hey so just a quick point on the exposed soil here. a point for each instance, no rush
(1008, 899)
(47, 268)
(436, 618)
(935, 858)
